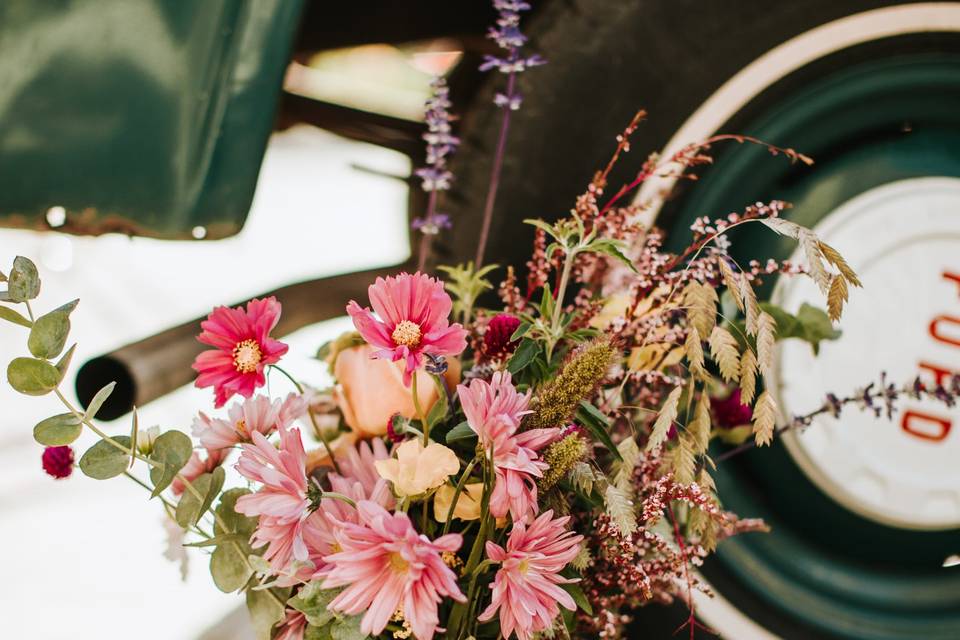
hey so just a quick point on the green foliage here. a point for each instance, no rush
(466, 284)
(265, 610)
(439, 409)
(460, 432)
(597, 424)
(312, 601)
(24, 282)
(58, 430)
(173, 450)
(33, 377)
(810, 324)
(192, 507)
(8, 314)
(228, 563)
(64, 363)
(105, 460)
(526, 352)
(98, 399)
(578, 596)
(49, 335)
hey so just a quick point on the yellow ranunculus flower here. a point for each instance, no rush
(418, 469)
(468, 502)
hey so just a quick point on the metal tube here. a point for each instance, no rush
(155, 366)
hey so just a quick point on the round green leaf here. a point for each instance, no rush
(58, 430)
(8, 314)
(173, 449)
(49, 335)
(228, 568)
(191, 508)
(104, 460)
(24, 281)
(32, 377)
(233, 522)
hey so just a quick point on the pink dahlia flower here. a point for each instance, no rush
(413, 311)
(253, 414)
(281, 503)
(526, 588)
(197, 466)
(494, 411)
(242, 348)
(386, 565)
(293, 626)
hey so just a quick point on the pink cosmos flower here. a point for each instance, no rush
(413, 312)
(281, 503)
(385, 566)
(525, 589)
(197, 466)
(494, 411)
(242, 348)
(253, 414)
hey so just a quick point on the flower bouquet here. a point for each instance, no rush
(532, 464)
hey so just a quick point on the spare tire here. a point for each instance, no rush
(871, 90)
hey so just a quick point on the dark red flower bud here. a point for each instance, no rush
(58, 461)
(730, 412)
(496, 340)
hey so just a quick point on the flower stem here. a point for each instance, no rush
(456, 494)
(313, 419)
(495, 171)
(426, 239)
(419, 409)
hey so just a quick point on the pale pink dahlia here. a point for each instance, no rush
(412, 312)
(243, 347)
(281, 503)
(526, 588)
(292, 627)
(386, 565)
(494, 411)
(243, 418)
(196, 466)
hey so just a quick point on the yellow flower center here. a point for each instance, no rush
(241, 427)
(397, 563)
(523, 567)
(406, 333)
(246, 356)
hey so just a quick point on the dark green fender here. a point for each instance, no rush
(147, 117)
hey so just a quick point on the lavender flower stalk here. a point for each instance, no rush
(435, 176)
(508, 37)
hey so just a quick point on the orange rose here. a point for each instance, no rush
(369, 391)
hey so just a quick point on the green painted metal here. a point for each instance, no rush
(147, 117)
(836, 571)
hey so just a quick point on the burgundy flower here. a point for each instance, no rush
(58, 461)
(496, 340)
(730, 412)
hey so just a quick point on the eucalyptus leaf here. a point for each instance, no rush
(49, 335)
(347, 629)
(59, 430)
(68, 307)
(24, 281)
(227, 514)
(265, 611)
(173, 449)
(64, 363)
(809, 324)
(523, 356)
(104, 460)
(597, 424)
(313, 632)
(191, 506)
(312, 601)
(228, 566)
(98, 399)
(461, 432)
(8, 314)
(32, 377)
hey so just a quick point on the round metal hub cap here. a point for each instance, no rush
(903, 239)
